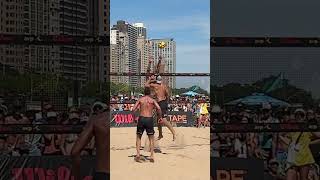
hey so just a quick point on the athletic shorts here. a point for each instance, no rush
(145, 123)
(101, 176)
(164, 108)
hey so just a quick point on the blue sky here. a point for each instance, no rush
(188, 22)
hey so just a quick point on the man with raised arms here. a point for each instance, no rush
(162, 96)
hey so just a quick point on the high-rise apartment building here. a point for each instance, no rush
(119, 61)
(74, 21)
(114, 55)
(51, 17)
(144, 51)
(106, 30)
(128, 52)
(11, 22)
(142, 31)
(41, 17)
(168, 56)
(98, 25)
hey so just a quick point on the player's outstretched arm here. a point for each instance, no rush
(83, 140)
(148, 83)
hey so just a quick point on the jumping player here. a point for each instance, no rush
(162, 95)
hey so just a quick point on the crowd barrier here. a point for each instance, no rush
(264, 127)
(130, 119)
(44, 168)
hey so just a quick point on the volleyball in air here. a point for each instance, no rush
(162, 45)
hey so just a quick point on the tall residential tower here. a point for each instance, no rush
(168, 55)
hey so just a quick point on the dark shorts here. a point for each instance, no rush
(101, 176)
(164, 108)
(145, 123)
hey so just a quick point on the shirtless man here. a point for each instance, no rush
(162, 95)
(98, 127)
(145, 122)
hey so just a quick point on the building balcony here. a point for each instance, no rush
(72, 72)
(73, 59)
(75, 66)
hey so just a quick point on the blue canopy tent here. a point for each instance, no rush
(257, 99)
(190, 93)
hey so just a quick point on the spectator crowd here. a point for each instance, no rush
(61, 144)
(287, 155)
(42, 144)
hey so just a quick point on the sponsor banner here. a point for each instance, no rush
(54, 40)
(264, 127)
(264, 42)
(39, 129)
(130, 119)
(43, 168)
(170, 102)
(236, 169)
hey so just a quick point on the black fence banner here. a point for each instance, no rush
(236, 169)
(264, 42)
(39, 129)
(43, 168)
(19, 39)
(264, 127)
(130, 119)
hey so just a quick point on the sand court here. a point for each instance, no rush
(187, 158)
